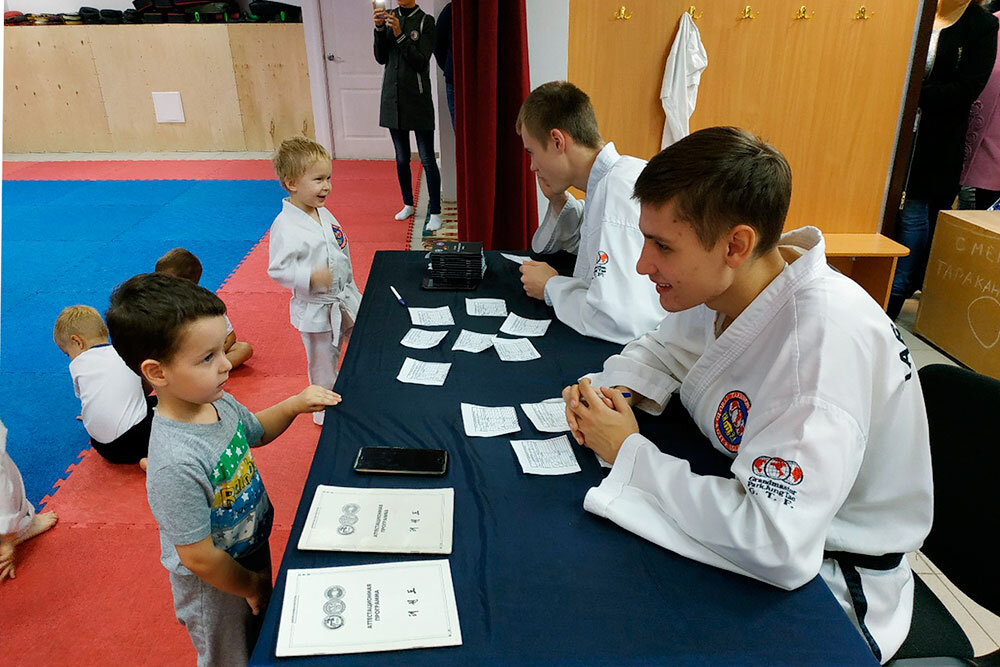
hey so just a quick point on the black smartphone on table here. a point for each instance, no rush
(401, 461)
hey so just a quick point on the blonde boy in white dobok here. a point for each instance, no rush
(309, 255)
(787, 367)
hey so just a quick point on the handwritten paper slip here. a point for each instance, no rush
(546, 457)
(515, 349)
(423, 372)
(408, 521)
(486, 422)
(422, 339)
(517, 259)
(431, 317)
(486, 307)
(548, 416)
(515, 325)
(368, 608)
(470, 341)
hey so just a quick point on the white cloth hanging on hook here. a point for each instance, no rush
(681, 77)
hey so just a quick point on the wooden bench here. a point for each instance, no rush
(869, 259)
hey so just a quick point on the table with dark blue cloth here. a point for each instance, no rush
(537, 579)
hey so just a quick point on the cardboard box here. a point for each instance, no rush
(960, 305)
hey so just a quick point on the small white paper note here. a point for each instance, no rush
(486, 307)
(471, 341)
(517, 259)
(423, 372)
(366, 608)
(431, 317)
(548, 416)
(486, 422)
(422, 339)
(415, 521)
(515, 325)
(516, 349)
(546, 457)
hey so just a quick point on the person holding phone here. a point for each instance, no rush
(404, 41)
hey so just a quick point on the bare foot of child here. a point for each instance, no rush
(39, 524)
(142, 463)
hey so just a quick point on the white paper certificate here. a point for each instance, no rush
(548, 416)
(486, 307)
(516, 349)
(486, 422)
(470, 341)
(415, 521)
(367, 608)
(546, 457)
(423, 372)
(515, 325)
(517, 259)
(422, 339)
(431, 317)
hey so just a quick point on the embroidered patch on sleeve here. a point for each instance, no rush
(774, 478)
(601, 266)
(731, 420)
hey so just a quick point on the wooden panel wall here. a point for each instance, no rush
(88, 88)
(826, 91)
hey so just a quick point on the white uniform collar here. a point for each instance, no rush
(606, 158)
(287, 207)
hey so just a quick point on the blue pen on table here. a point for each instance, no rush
(398, 298)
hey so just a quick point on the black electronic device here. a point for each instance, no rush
(401, 461)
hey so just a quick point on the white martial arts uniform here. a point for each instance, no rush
(834, 457)
(605, 298)
(298, 245)
(681, 76)
(111, 397)
(16, 512)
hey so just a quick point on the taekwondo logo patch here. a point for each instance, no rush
(414, 35)
(731, 420)
(601, 267)
(339, 235)
(775, 478)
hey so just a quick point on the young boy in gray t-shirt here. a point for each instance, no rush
(202, 482)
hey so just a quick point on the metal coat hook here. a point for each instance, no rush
(748, 13)
(623, 14)
(863, 14)
(803, 14)
(694, 14)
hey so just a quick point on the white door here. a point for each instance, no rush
(354, 80)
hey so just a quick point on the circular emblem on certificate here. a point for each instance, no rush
(334, 622)
(335, 592)
(345, 530)
(348, 519)
(334, 607)
(351, 508)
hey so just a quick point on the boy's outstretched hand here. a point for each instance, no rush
(596, 424)
(315, 399)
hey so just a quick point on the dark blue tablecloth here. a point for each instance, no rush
(537, 579)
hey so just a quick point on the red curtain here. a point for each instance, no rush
(496, 190)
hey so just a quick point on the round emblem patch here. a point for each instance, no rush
(731, 419)
(414, 35)
(334, 622)
(602, 258)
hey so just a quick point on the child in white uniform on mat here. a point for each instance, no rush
(18, 521)
(308, 254)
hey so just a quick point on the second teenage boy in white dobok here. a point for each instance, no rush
(605, 298)
(787, 367)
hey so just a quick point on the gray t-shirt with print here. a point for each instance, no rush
(202, 480)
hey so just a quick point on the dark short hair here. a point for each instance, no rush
(148, 314)
(559, 105)
(181, 263)
(718, 178)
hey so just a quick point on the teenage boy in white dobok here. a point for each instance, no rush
(787, 367)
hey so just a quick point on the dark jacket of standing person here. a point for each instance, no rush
(442, 44)
(406, 81)
(966, 51)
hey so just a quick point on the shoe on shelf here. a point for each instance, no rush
(404, 213)
(433, 223)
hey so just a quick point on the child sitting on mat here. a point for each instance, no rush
(203, 484)
(18, 521)
(115, 409)
(309, 255)
(183, 264)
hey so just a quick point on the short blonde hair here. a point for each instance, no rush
(294, 157)
(82, 321)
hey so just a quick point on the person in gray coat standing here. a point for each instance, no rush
(404, 41)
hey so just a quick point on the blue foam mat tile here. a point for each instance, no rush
(29, 267)
(261, 194)
(210, 222)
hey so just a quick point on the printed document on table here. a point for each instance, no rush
(470, 341)
(515, 325)
(423, 372)
(422, 339)
(487, 422)
(517, 259)
(546, 457)
(516, 349)
(414, 521)
(548, 416)
(431, 317)
(367, 608)
(486, 307)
